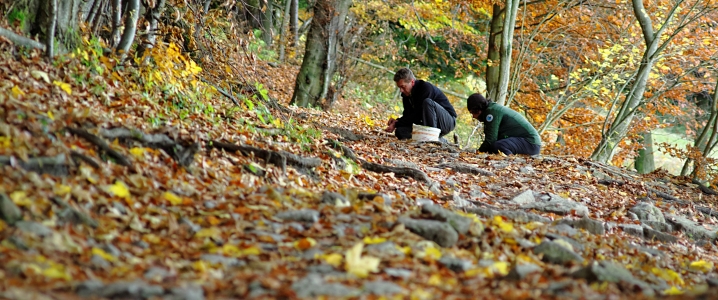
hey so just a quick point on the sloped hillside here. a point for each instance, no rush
(107, 193)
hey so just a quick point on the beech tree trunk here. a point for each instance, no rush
(267, 21)
(294, 22)
(319, 62)
(116, 22)
(40, 18)
(152, 14)
(128, 35)
(705, 142)
(645, 161)
(493, 55)
(507, 37)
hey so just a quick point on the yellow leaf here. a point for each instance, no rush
(20, 198)
(200, 266)
(435, 280)
(119, 189)
(432, 253)
(172, 198)
(668, 275)
(213, 232)
(233, 250)
(334, 259)
(64, 86)
(500, 267)
(406, 250)
(503, 225)
(103, 254)
(533, 225)
(17, 92)
(368, 120)
(40, 75)
(702, 266)
(138, 152)
(672, 291)
(358, 265)
(374, 240)
(50, 115)
(564, 243)
(56, 272)
(4, 142)
(304, 244)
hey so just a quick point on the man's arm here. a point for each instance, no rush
(405, 119)
(491, 127)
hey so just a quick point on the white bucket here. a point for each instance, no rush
(425, 134)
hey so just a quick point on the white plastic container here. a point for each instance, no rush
(424, 133)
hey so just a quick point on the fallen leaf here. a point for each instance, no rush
(702, 266)
(358, 265)
(119, 189)
(374, 240)
(64, 86)
(172, 198)
(40, 75)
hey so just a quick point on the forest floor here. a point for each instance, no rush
(107, 193)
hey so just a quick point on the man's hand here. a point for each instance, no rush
(391, 125)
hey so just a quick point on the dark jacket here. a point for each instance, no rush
(501, 122)
(413, 113)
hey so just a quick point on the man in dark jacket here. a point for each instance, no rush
(424, 104)
(505, 129)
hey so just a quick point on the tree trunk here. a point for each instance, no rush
(319, 61)
(645, 162)
(493, 56)
(116, 22)
(706, 139)
(507, 36)
(252, 13)
(283, 30)
(128, 35)
(294, 22)
(50, 39)
(152, 14)
(39, 16)
(620, 125)
(267, 21)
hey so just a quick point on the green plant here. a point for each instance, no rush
(17, 16)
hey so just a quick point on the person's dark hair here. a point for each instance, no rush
(403, 74)
(476, 102)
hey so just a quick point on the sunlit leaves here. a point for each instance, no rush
(360, 265)
(63, 86)
(119, 189)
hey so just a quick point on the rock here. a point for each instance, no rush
(519, 272)
(302, 215)
(395, 272)
(99, 262)
(564, 229)
(586, 223)
(111, 249)
(157, 274)
(384, 250)
(556, 204)
(574, 243)
(557, 254)
(33, 228)
(648, 212)
(691, 229)
(461, 202)
(713, 281)
(424, 201)
(524, 197)
(226, 262)
(632, 229)
(606, 271)
(189, 292)
(526, 244)
(632, 216)
(335, 199)
(660, 226)
(526, 170)
(324, 269)
(382, 288)
(476, 193)
(76, 217)
(498, 165)
(651, 234)
(455, 264)
(459, 222)
(440, 232)
(435, 187)
(516, 215)
(9, 211)
(209, 204)
(123, 289)
(192, 226)
(313, 286)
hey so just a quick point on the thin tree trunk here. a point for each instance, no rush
(507, 36)
(128, 35)
(50, 39)
(97, 22)
(294, 22)
(116, 21)
(206, 6)
(96, 5)
(267, 21)
(283, 31)
(703, 143)
(494, 56)
(152, 14)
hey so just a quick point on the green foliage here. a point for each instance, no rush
(257, 45)
(18, 16)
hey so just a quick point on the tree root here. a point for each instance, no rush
(345, 134)
(119, 158)
(53, 165)
(464, 168)
(278, 158)
(183, 154)
(399, 171)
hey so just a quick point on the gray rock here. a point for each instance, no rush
(189, 292)
(455, 264)
(660, 226)
(9, 211)
(192, 226)
(556, 253)
(111, 249)
(383, 288)
(713, 281)
(690, 228)
(526, 170)
(435, 187)
(477, 193)
(558, 205)
(632, 229)
(498, 165)
(77, 217)
(335, 199)
(384, 250)
(564, 229)
(123, 289)
(610, 226)
(33, 228)
(606, 271)
(395, 272)
(648, 212)
(459, 222)
(313, 286)
(225, 261)
(99, 262)
(424, 201)
(483, 212)
(632, 216)
(275, 236)
(209, 204)
(440, 232)
(574, 243)
(586, 223)
(89, 288)
(650, 251)
(519, 272)
(302, 215)
(526, 244)
(461, 202)
(119, 207)
(656, 235)
(522, 216)
(157, 274)
(524, 198)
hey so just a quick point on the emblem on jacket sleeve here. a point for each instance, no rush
(489, 118)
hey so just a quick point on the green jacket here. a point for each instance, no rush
(501, 122)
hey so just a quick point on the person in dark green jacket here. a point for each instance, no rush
(505, 129)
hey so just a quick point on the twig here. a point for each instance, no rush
(100, 144)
